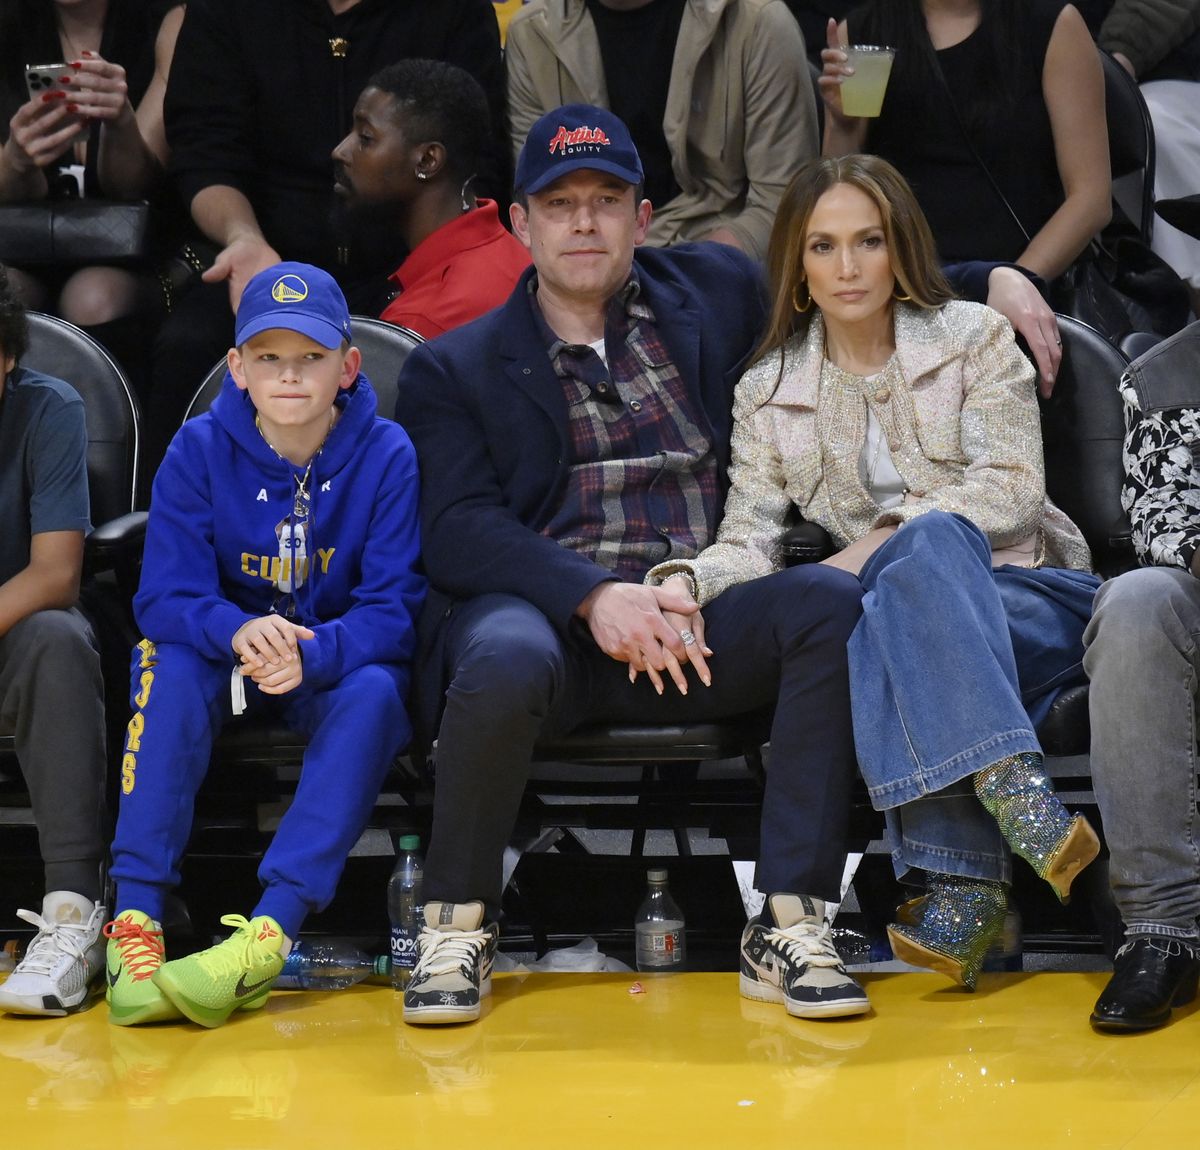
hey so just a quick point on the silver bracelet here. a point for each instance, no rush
(691, 582)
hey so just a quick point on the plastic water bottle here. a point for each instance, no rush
(329, 965)
(658, 928)
(406, 908)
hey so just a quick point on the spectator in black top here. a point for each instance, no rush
(1013, 84)
(261, 94)
(120, 51)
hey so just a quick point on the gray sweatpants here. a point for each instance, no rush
(52, 702)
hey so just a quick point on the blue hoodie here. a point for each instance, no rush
(221, 547)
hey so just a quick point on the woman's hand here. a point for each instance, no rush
(40, 132)
(99, 90)
(1013, 295)
(843, 134)
(833, 67)
(683, 615)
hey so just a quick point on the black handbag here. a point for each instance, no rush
(1120, 285)
(74, 232)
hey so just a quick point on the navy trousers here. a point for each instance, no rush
(779, 640)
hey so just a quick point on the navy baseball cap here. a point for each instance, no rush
(298, 297)
(572, 137)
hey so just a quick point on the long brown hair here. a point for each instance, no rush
(910, 245)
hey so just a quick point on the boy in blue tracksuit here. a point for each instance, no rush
(280, 572)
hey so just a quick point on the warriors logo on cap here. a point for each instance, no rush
(298, 297)
(289, 289)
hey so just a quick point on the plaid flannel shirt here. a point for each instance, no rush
(642, 485)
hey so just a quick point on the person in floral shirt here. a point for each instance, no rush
(1143, 661)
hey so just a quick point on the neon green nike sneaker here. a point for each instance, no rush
(233, 975)
(135, 953)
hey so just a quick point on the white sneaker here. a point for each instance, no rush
(65, 955)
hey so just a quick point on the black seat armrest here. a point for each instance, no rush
(1120, 536)
(116, 546)
(117, 538)
(805, 542)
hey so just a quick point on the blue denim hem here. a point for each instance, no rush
(1162, 930)
(928, 780)
(911, 856)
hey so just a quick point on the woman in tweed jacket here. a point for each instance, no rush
(905, 423)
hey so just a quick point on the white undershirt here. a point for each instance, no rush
(875, 467)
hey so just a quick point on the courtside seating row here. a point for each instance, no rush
(677, 777)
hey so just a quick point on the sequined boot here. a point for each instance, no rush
(1018, 795)
(951, 928)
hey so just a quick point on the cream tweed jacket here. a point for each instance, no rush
(957, 404)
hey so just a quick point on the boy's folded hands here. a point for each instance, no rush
(270, 653)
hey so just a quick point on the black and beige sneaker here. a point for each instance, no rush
(788, 956)
(455, 952)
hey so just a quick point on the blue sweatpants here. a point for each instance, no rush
(181, 701)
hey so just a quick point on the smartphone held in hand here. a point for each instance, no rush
(42, 79)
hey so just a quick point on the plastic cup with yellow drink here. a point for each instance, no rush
(862, 91)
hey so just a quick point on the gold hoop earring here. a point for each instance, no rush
(900, 298)
(796, 300)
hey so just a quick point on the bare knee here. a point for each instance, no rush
(93, 296)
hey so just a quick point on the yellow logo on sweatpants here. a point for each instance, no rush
(137, 724)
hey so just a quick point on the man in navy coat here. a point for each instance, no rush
(570, 441)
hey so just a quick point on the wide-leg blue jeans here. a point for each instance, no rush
(951, 667)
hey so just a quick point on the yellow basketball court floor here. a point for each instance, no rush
(578, 1061)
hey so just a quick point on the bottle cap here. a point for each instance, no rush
(410, 842)
(656, 875)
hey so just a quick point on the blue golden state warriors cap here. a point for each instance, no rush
(298, 297)
(572, 137)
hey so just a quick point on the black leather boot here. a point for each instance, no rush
(1151, 974)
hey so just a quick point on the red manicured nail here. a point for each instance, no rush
(64, 79)
(76, 65)
(72, 107)
(50, 96)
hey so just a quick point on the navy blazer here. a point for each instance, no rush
(488, 417)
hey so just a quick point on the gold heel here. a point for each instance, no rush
(951, 928)
(1080, 846)
(1034, 823)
